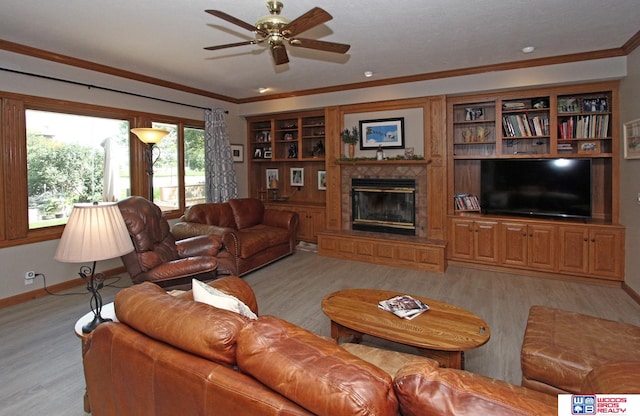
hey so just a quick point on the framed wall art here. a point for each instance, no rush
(631, 132)
(297, 177)
(237, 153)
(272, 178)
(322, 180)
(589, 147)
(388, 133)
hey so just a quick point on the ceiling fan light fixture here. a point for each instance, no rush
(273, 22)
(528, 49)
(276, 30)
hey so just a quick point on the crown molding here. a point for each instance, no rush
(105, 69)
(624, 50)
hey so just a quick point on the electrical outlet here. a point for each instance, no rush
(29, 277)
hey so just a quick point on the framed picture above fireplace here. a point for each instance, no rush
(388, 133)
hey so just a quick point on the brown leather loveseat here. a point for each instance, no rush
(170, 355)
(252, 235)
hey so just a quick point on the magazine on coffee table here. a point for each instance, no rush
(404, 306)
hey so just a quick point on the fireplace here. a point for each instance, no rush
(383, 205)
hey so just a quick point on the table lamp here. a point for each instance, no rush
(150, 137)
(94, 232)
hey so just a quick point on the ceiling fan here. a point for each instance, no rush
(276, 30)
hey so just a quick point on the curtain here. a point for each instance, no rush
(220, 176)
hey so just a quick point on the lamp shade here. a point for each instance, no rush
(94, 232)
(147, 135)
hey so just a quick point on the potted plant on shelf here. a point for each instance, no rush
(351, 137)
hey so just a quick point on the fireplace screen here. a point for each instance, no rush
(383, 205)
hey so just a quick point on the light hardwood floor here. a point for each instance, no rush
(40, 354)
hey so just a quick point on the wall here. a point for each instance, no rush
(16, 260)
(630, 173)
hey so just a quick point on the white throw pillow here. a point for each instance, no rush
(204, 293)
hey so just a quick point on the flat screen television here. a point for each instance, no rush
(536, 187)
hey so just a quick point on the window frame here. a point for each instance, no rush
(14, 221)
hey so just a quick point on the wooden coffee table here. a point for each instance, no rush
(442, 333)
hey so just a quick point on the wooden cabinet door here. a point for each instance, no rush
(317, 222)
(513, 243)
(541, 242)
(461, 241)
(574, 249)
(525, 245)
(485, 235)
(310, 222)
(605, 253)
(595, 251)
(474, 240)
(304, 226)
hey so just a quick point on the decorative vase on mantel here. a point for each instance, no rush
(351, 137)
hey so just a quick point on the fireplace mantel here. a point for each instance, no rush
(387, 162)
(429, 172)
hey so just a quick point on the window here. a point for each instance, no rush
(55, 153)
(194, 175)
(73, 158)
(166, 184)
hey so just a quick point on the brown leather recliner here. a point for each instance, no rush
(157, 256)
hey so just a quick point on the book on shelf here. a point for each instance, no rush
(584, 127)
(404, 306)
(466, 202)
(521, 125)
(514, 105)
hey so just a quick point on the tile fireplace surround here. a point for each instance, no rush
(416, 172)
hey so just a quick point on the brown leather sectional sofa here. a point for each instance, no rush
(252, 235)
(172, 356)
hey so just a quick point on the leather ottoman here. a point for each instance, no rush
(561, 348)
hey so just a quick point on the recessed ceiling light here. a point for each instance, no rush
(262, 90)
(368, 74)
(528, 49)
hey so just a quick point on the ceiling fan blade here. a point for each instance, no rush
(235, 21)
(279, 54)
(320, 45)
(310, 19)
(232, 45)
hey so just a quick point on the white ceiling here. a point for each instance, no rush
(165, 38)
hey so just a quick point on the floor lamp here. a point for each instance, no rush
(94, 232)
(150, 137)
